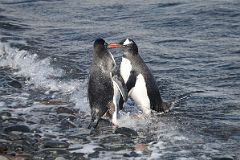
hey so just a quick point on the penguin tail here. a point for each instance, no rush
(167, 106)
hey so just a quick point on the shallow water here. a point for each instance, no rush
(46, 51)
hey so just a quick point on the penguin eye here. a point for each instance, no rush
(105, 44)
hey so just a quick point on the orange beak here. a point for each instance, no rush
(114, 45)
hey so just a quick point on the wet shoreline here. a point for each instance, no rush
(60, 132)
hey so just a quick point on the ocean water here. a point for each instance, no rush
(190, 46)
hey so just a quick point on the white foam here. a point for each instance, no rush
(43, 75)
(39, 71)
(86, 148)
(36, 105)
(131, 122)
(2, 104)
(79, 97)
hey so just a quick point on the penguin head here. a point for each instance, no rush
(100, 44)
(129, 45)
(127, 42)
(101, 56)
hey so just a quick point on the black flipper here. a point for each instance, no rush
(120, 104)
(130, 84)
(131, 80)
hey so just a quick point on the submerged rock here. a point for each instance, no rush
(21, 156)
(60, 158)
(62, 116)
(17, 128)
(55, 144)
(126, 131)
(52, 153)
(67, 124)
(14, 120)
(3, 146)
(5, 115)
(78, 156)
(53, 102)
(94, 155)
(66, 110)
(131, 154)
(104, 126)
(223, 158)
(15, 84)
(103, 123)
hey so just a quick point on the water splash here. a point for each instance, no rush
(39, 72)
(79, 97)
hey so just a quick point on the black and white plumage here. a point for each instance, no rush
(105, 84)
(141, 84)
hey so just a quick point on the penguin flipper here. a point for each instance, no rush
(120, 104)
(119, 82)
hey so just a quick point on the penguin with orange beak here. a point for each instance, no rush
(140, 83)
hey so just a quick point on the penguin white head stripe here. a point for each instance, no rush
(127, 42)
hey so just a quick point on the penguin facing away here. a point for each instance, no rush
(141, 84)
(105, 85)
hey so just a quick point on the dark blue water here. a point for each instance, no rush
(189, 46)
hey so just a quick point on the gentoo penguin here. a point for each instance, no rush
(105, 84)
(141, 85)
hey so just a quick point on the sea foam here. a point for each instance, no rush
(41, 74)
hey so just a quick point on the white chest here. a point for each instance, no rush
(139, 94)
(125, 69)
